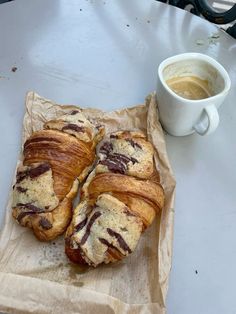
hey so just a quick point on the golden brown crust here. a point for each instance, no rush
(59, 218)
(74, 255)
(59, 156)
(118, 183)
(67, 156)
(118, 201)
(139, 205)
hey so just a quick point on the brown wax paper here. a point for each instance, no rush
(37, 277)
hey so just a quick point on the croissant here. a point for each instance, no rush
(55, 160)
(119, 200)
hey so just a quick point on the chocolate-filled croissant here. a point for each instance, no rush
(56, 160)
(119, 200)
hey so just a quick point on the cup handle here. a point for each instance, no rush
(213, 120)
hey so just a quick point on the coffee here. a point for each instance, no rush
(190, 87)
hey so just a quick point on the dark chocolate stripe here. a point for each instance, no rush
(132, 143)
(31, 207)
(125, 158)
(73, 127)
(45, 223)
(116, 162)
(20, 189)
(121, 157)
(89, 226)
(74, 112)
(113, 136)
(115, 167)
(32, 173)
(81, 225)
(106, 148)
(21, 176)
(35, 172)
(120, 240)
(105, 242)
(134, 160)
(22, 215)
(116, 159)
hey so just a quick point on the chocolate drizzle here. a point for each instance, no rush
(117, 162)
(74, 112)
(89, 226)
(105, 242)
(20, 189)
(113, 136)
(31, 207)
(114, 166)
(125, 159)
(133, 144)
(134, 160)
(35, 172)
(120, 240)
(32, 210)
(22, 215)
(120, 157)
(32, 173)
(106, 148)
(81, 225)
(45, 223)
(73, 127)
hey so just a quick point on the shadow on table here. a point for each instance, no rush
(3, 1)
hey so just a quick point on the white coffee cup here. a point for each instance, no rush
(180, 116)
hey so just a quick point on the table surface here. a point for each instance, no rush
(105, 54)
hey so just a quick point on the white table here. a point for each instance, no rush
(105, 54)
